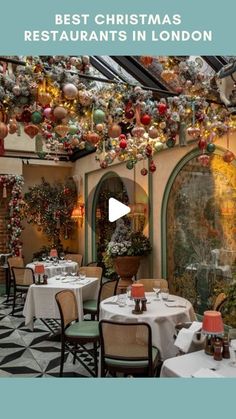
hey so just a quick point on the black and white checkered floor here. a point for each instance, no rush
(26, 353)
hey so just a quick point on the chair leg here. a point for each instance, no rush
(95, 359)
(62, 357)
(14, 302)
(75, 351)
(8, 286)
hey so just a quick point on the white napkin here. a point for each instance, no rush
(206, 373)
(112, 300)
(84, 281)
(174, 304)
(185, 336)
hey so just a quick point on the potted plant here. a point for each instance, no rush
(124, 252)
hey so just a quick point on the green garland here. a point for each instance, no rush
(50, 208)
(15, 216)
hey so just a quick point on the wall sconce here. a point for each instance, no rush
(78, 213)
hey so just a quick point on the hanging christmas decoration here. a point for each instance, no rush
(120, 121)
(15, 214)
(50, 208)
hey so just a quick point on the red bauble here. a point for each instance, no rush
(144, 172)
(26, 116)
(123, 144)
(145, 119)
(148, 150)
(103, 164)
(162, 108)
(122, 137)
(202, 144)
(228, 156)
(152, 167)
(200, 116)
(129, 114)
(146, 60)
(204, 160)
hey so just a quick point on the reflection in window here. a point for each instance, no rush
(201, 231)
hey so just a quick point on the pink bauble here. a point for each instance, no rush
(47, 113)
(138, 131)
(70, 91)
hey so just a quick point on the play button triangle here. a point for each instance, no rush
(116, 209)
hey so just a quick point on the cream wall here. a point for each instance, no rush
(88, 169)
(165, 161)
(32, 238)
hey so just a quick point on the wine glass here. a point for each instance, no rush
(74, 271)
(232, 343)
(157, 292)
(62, 256)
(44, 257)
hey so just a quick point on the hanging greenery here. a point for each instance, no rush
(13, 183)
(49, 207)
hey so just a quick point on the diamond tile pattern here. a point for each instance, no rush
(26, 353)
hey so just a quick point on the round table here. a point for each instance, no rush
(52, 269)
(160, 315)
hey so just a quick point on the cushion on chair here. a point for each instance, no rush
(83, 329)
(90, 305)
(135, 364)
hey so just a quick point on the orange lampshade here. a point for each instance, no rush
(39, 269)
(53, 253)
(212, 323)
(137, 291)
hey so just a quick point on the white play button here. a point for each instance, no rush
(116, 210)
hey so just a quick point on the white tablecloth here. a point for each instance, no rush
(189, 364)
(40, 301)
(56, 269)
(161, 318)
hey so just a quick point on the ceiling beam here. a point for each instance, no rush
(214, 62)
(102, 68)
(140, 73)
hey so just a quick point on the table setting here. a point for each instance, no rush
(159, 314)
(52, 268)
(40, 301)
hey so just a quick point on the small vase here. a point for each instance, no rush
(126, 267)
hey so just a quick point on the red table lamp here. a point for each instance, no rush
(212, 326)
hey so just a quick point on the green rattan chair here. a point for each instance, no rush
(76, 333)
(107, 289)
(127, 348)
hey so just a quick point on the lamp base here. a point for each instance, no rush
(209, 345)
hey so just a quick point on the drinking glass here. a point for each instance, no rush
(122, 300)
(62, 255)
(232, 343)
(44, 257)
(82, 274)
(165, 294)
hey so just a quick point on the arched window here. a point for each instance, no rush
(199, 209)
(110, 185)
